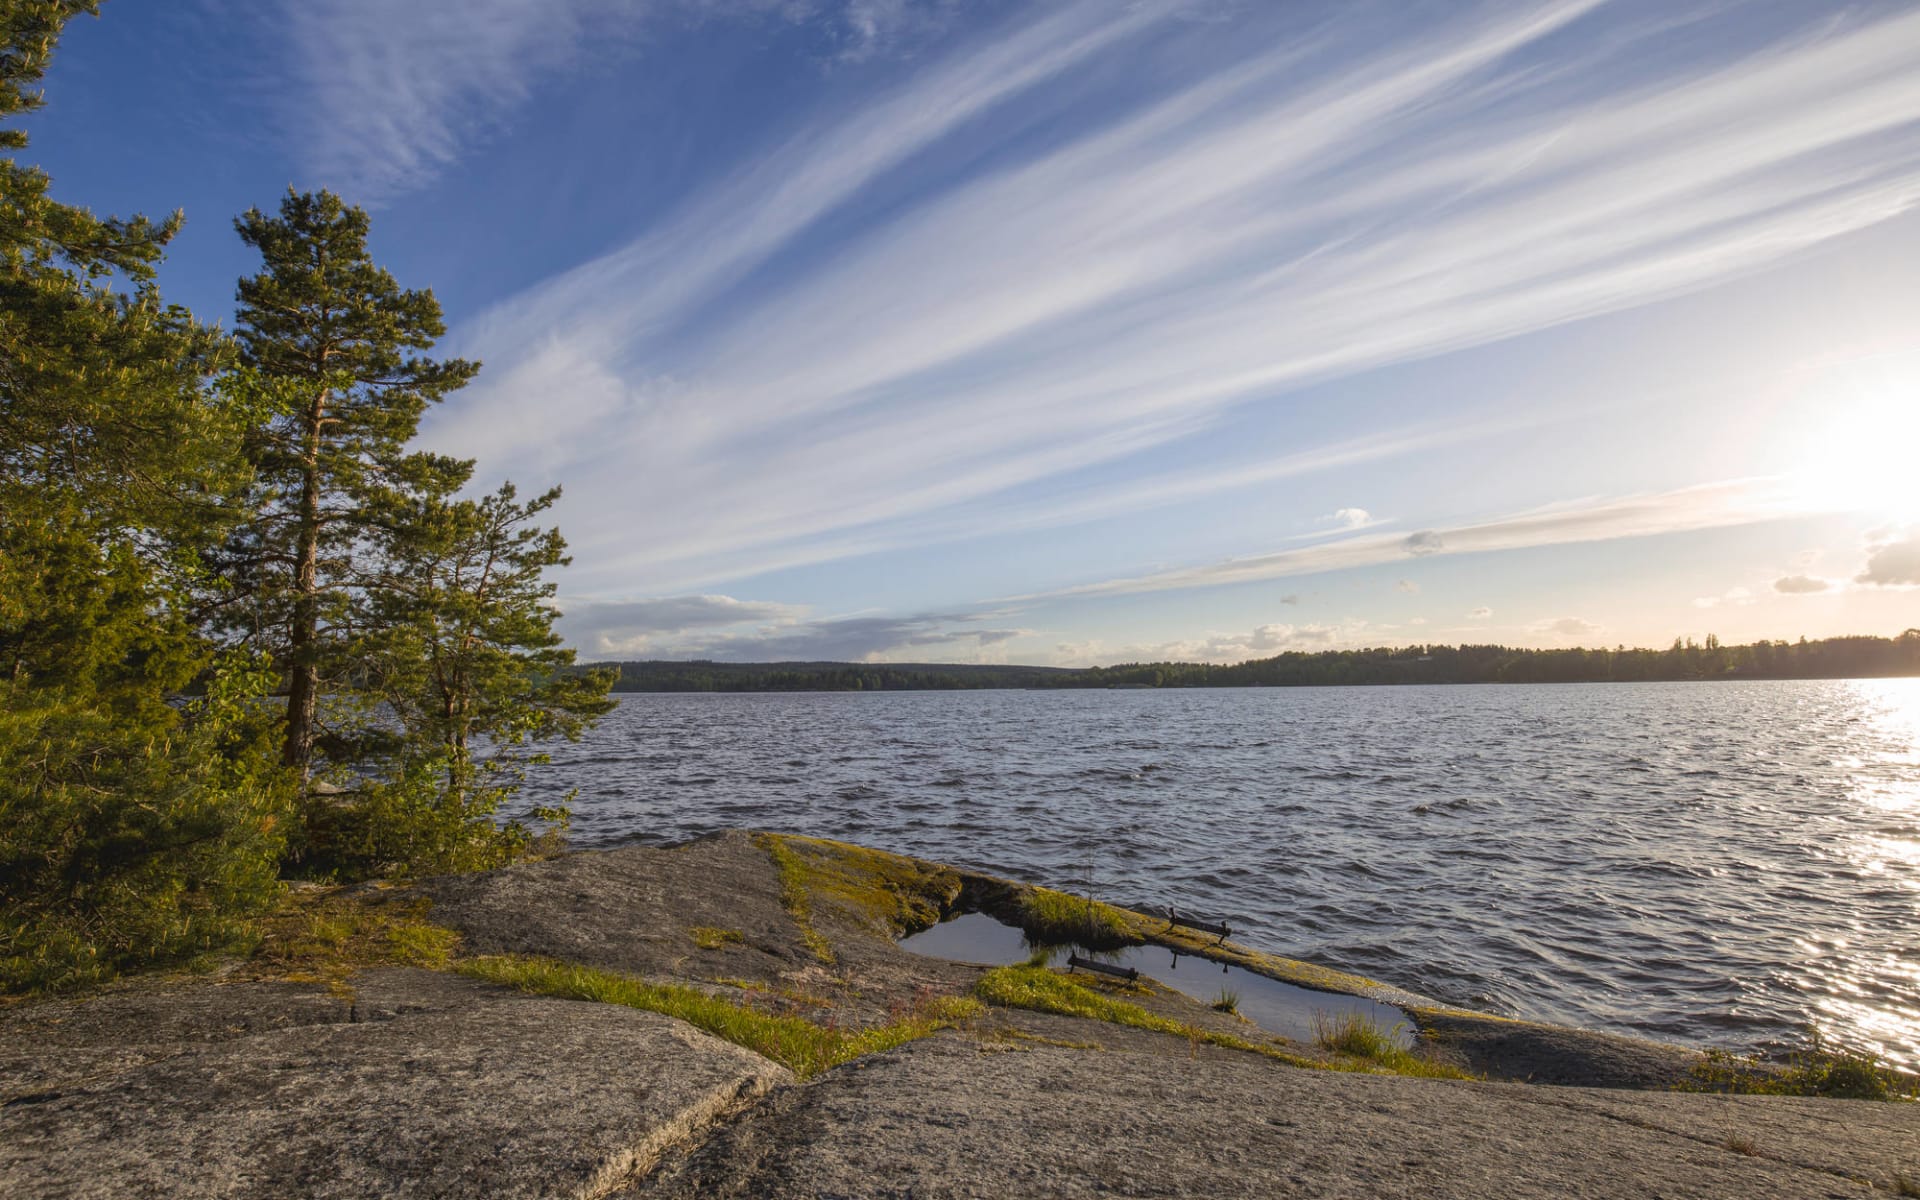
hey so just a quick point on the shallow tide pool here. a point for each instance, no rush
(1276, 1007)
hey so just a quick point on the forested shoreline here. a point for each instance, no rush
(248, 632)
(1827, 658)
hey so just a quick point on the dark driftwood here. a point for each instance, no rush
(1127, 973)
(1220, 930)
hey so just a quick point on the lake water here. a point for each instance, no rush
(1718, 864)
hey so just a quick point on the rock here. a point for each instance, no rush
(939, 1118)
(455, 1089)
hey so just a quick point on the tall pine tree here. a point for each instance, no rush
(131, 826)
(332, 341)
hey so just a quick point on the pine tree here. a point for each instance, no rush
(460, 649)
(131, 826)
(329, 337)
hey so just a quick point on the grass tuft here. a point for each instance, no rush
(1357, 1037)
(1228, 1001)
(1816, 1071)
(1905, 1185)
(707, 937)
(1034, 987)
(319, 935)
(1056, 918)
(800, 1045)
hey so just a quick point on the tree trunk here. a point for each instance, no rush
(303, 665)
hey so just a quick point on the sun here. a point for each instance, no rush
(1864, 454)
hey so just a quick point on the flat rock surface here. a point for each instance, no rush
(632, 909)
(443, 1087)
(940, 1118)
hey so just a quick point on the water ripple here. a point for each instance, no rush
(1718, 863)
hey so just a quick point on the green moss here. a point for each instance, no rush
(800, 1045)
(892, 893)
(707, 937)
(1056, 918)
(794, 896)
(1034, 987)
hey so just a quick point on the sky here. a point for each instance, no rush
(1114, 330)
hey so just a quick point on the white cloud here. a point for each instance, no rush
(1263, 641)
(1351, 518)
(380, 98)
(1572, 628)
(1802, 585)
(1408, 586)
(724, 628)
(1709, 506)
(1134, 282)
(1480, 614)
(1893, 559)
(1417, 621)
(1737, 596)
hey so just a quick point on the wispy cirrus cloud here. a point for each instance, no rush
(1298, 209)
(386, 96)
(725, 628)
(1709, 506)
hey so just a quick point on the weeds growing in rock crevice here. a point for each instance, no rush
(802, 1046)
(1815, 1071)
(1355, 1036)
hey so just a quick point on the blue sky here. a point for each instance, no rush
(1089, 332)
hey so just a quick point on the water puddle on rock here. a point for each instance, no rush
(1274, 1006)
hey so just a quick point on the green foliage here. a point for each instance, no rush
(709, 937)
(333, 338)
(130, 830)
(802, 1046)
(1357, 1037)
(1814, 1071)
(120, 848)
(162, 537)
(1056, 918)
(415, 627)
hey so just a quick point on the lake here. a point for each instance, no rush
(1719, 864)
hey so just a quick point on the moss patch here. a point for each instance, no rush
(794, 895)
(1033, 986)
(321, 935)
(708, 937)
(892, 893)
(1056, 918)
(800, 1045)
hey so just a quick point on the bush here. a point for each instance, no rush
(129, 838)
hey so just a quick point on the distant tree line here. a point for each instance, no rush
(1827, 658)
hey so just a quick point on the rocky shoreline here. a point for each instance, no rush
(425, 1041)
